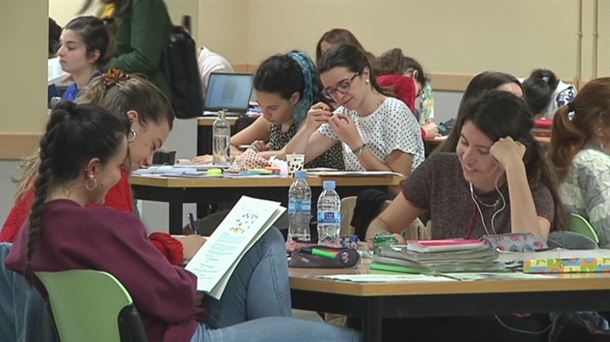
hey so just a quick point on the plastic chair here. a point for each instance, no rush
(91, 305)
(579, 224)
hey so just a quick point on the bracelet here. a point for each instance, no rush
(358, 150)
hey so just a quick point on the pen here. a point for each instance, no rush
(192, 223)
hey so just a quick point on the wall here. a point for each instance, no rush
(448, 36)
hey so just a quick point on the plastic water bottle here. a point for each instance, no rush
(221, 141)
(329, 215)
(299, 208)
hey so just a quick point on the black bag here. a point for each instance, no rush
(184, 79)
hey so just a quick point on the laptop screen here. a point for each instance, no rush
(228, 91)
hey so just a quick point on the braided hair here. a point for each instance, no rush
(87, 132)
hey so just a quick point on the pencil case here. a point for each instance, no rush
(324, 257)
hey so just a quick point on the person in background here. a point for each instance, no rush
(497, 182)
(64, 233)
(286, 87)
(53, 67)
(403, 77)
(545, 93)
(54, 35)
(86, 45)
(151, 116)
(580, 151)
(479, 85)
(378, 133)
(340, 36)
(209, 62)
(143, 28)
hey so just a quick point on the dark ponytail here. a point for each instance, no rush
(86, 132)
(538, 89)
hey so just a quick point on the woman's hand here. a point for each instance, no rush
(431, 130)
(345, 128)
(204, 159)
(507, 152)
(317, 115)
(191, 244)
(261, 146)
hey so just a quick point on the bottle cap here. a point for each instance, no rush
(329, 185)
(300, 174)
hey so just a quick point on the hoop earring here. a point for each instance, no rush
(87, 185)
(132, 135)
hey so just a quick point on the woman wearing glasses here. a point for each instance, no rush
(377, 132)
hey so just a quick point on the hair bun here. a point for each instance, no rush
(114, 76)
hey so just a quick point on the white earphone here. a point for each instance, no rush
(493, 217)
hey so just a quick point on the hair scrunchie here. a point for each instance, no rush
(114, 76)
(311, 88)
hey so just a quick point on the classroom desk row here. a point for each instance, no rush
(374, 302)
(177, 191)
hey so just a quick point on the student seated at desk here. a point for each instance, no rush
(580, 151)
(403, 77)
(151, 117)
(545, 93)
(479, 85)
(86, 46)
(378, 133)
(62, 233)
(286, 86)
(498, 182)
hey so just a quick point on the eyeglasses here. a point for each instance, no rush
(343, 87)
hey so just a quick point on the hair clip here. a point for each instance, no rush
(545, 79)
(114, 76)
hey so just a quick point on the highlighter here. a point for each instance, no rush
(320, 252)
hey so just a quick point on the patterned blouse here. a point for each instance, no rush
(586, 190)
(332, 158)
(391, 127)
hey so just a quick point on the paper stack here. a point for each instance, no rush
(426, 256)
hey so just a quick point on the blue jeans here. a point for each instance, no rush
(256, 304)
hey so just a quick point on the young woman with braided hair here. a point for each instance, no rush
(63, 233)
(151, 117)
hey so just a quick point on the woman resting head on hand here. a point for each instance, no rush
(498, 181)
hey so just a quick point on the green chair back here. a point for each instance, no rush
(580, 225)
(91, 305)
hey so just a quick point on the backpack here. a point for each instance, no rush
(185, 82)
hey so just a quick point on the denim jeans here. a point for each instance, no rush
(24, 315)
(256, 304)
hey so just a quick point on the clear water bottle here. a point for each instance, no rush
(329, 215)
(299, 208)
(221, 141)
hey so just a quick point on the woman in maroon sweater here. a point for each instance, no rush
(151, 118)
(63, 234)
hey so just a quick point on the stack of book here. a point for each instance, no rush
(432, 256)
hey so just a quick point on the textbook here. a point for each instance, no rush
(434, 246)
(216, 260)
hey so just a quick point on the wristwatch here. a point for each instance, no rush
(358, 150)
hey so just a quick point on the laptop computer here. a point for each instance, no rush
(228, 91)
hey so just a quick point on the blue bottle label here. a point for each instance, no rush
(329, 217)
(296, 206)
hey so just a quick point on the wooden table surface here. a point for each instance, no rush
(307, 279)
